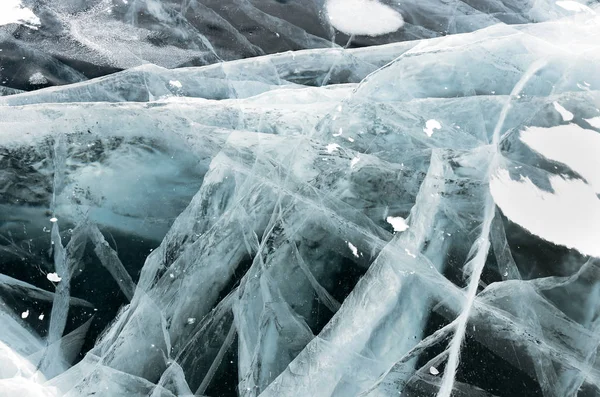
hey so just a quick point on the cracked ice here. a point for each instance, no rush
(281, 199)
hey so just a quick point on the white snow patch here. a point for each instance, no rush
(41, 316)
(353, 249)
(568, 216)
(354, 161)
(37, 79)
(54, 219)
(175, 83)
(25, 314)
(191, 320)
(574, 6)
(430, 126)
(55, 278)
(571, 145)
(332, 147)
(12, 11)
(594, 121)
(565, 114)
(23, 386)
(398, 223)
(363, 17)
(409, 253)
(434, 371)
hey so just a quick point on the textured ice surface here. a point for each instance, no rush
(81, 39)
(418, 217)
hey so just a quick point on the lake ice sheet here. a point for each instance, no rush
(418, 217)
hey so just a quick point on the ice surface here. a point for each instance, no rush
(418, 217)
(76, 39)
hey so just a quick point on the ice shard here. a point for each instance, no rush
(299, 199)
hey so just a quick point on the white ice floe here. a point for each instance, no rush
(363, 17)
(568, 216)
(12, 11)
(55, 278)
(398, 223)
(594, 121)
(332, 147)
(571, 145)
(430, 126)
(353, 249)
(565, 114)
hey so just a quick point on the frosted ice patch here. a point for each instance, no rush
(25, 387)
(25, 314)
(55, 278)
(353, 249)
(175, 83)
(37, 79)
(12, 11)
(398, 223)
(568, 216)
(568, 144)
(332, 147)
(363, 17)
(594, 122)
(565, 114)
(430, 126)
(434, 371)
(574, 6)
